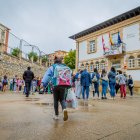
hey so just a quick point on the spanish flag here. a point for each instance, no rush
(110, 40)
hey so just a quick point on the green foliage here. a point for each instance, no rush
(16, 52)
(34, 55)
(70, 59)
(44, 59)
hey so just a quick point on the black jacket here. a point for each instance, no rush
(28, 76)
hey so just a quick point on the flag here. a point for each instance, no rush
(110, 39)
(103, 43)
(104, 48)
(119, 38)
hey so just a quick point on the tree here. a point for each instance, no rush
(16, 52)
(33, 55)
(44, 59)
(69, 59)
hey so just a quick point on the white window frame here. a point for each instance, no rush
(102, 65)
(91, 67)
(131, 63)
(92, 47)
(138, 62)
(97, 65)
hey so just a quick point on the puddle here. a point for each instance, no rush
(47, 104)
(32, 99)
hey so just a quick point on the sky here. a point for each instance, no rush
(49, 23)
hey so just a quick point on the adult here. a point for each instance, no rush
(117, 86)
(78, 87)
(112, 81)
(14, 83)
(122, 83)
(28, 76)
(4, 83)
(85, 83)
(96, 81)
(130, 85)
(104, 83)
(58, 91)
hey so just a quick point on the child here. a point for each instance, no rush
(0, 86)
(130, 85)
(34, 85)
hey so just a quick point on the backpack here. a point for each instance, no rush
(62, 75)
(94, 78)
(5, 82)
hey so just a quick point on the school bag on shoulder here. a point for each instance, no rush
(94, 78)
(62, 75)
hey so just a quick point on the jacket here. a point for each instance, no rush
(85, 78)
(130, 82)
(97, 76)
(122, 79)
(112, 77)
(47, 76)
(28, 76)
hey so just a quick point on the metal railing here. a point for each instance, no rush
(25, 48)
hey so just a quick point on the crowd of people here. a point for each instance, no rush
(61, 78)
(112, 81)
(18, 84)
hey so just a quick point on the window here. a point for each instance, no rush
(91, 66)
(92, 46)
(138, 61)
(116, 64)
(131, 62)
(87, 66)
(97, 65)
(115, 38)
(102, 65)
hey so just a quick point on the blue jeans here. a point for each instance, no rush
(104, 88)
(87, 91)
(112, 89)
(96, 86)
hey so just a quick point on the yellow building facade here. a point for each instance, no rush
(115, 42)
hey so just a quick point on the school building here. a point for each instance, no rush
(115, 42)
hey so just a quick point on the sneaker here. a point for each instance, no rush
(65, 115)
(102, 98)
(105, 97)
(55, 117)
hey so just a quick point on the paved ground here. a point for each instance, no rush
(31, 119)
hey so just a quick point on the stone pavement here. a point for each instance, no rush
(31, 119)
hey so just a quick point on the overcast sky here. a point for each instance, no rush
(49, 23)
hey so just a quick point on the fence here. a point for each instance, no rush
(23, 46)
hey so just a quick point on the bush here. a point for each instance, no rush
(34, 55)
(16, 52)
(44, 59)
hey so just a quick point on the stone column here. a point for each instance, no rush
(77, 56)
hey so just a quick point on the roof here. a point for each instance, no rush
(112, 21)
(4, 26)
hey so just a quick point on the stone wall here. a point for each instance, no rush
(11, 66)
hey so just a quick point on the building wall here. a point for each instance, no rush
(10, 66)
(130, 35)
(56, 53)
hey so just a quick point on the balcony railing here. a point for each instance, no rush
(115, 49)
